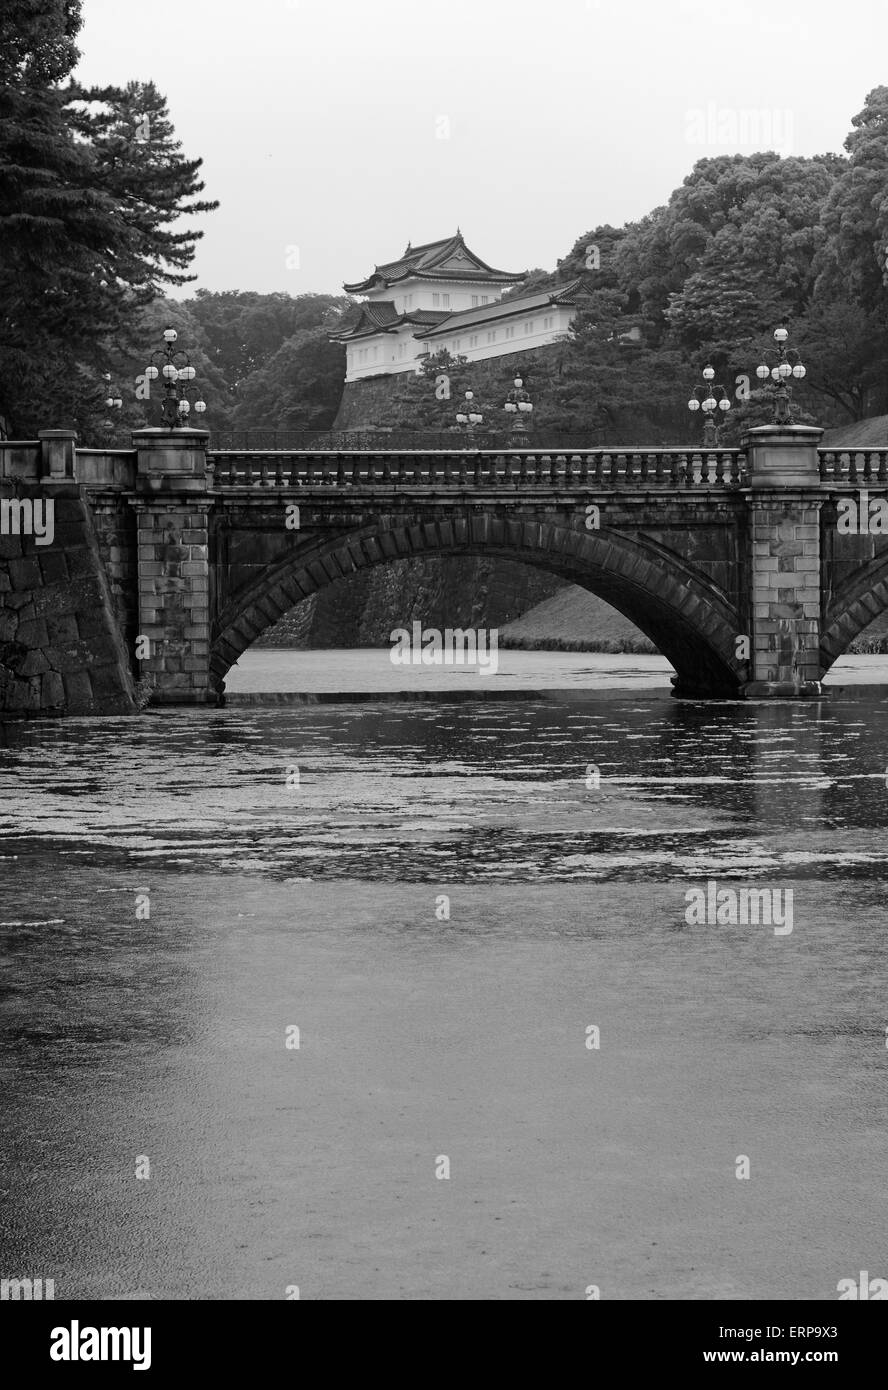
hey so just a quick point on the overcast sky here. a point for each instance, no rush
(345, 128)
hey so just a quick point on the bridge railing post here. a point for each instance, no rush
(783, 560)
(173, 503)
(57, 455)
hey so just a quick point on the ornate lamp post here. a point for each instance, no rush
(176, 372)
(469, 415)
(788, 365)
(710, 398)
(519, 407)
(111, 402)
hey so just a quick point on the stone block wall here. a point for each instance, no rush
(174, 598)
(785, 539)
(61, 651)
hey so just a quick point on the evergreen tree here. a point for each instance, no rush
(87, 193)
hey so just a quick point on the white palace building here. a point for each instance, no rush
(442, 295)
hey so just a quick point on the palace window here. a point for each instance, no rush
(474, 301)
(456, 344)
(491, 337)
(528, 327)
(445, 300)
(473, 341)
(436, 300)
(510, 332)
(484, 298)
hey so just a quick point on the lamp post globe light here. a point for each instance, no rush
(111, 402)
(469, 416)
(711, 399)
(519, 407)
(788, 367)
(176, 372)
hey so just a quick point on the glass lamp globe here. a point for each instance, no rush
(775, 373)
(519, 382)
(785, 369)
(526, 406)
(170, 335)
(170, 372)
(475, 418)
(511, 407)
(109, 402)
(710, 403)
(780, 335)
(708, 373)
(184, 408)
(694, 404)
(762, 372)
(799, 371)
(200, 407)
(461, 417)
(151, 373)
(470, 395)
(118, 403)
(724, 405)
(186, 373)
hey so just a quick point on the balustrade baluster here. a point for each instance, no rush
(248, 479)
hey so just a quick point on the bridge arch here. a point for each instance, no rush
(684, 614)
(860, 600)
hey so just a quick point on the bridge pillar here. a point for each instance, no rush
(172, 505)
(783, 561)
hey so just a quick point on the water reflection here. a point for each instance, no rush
(492, 791)
(316, 905)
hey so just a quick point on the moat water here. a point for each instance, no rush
(182, 890)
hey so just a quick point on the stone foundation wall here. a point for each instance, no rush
(61, 651)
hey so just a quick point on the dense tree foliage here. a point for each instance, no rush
(90, 182)
(94, 186)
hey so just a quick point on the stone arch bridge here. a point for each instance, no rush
(167, 560)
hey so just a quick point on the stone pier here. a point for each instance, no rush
(172, 508)
(784, 561)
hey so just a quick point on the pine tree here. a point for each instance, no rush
(89, 182)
